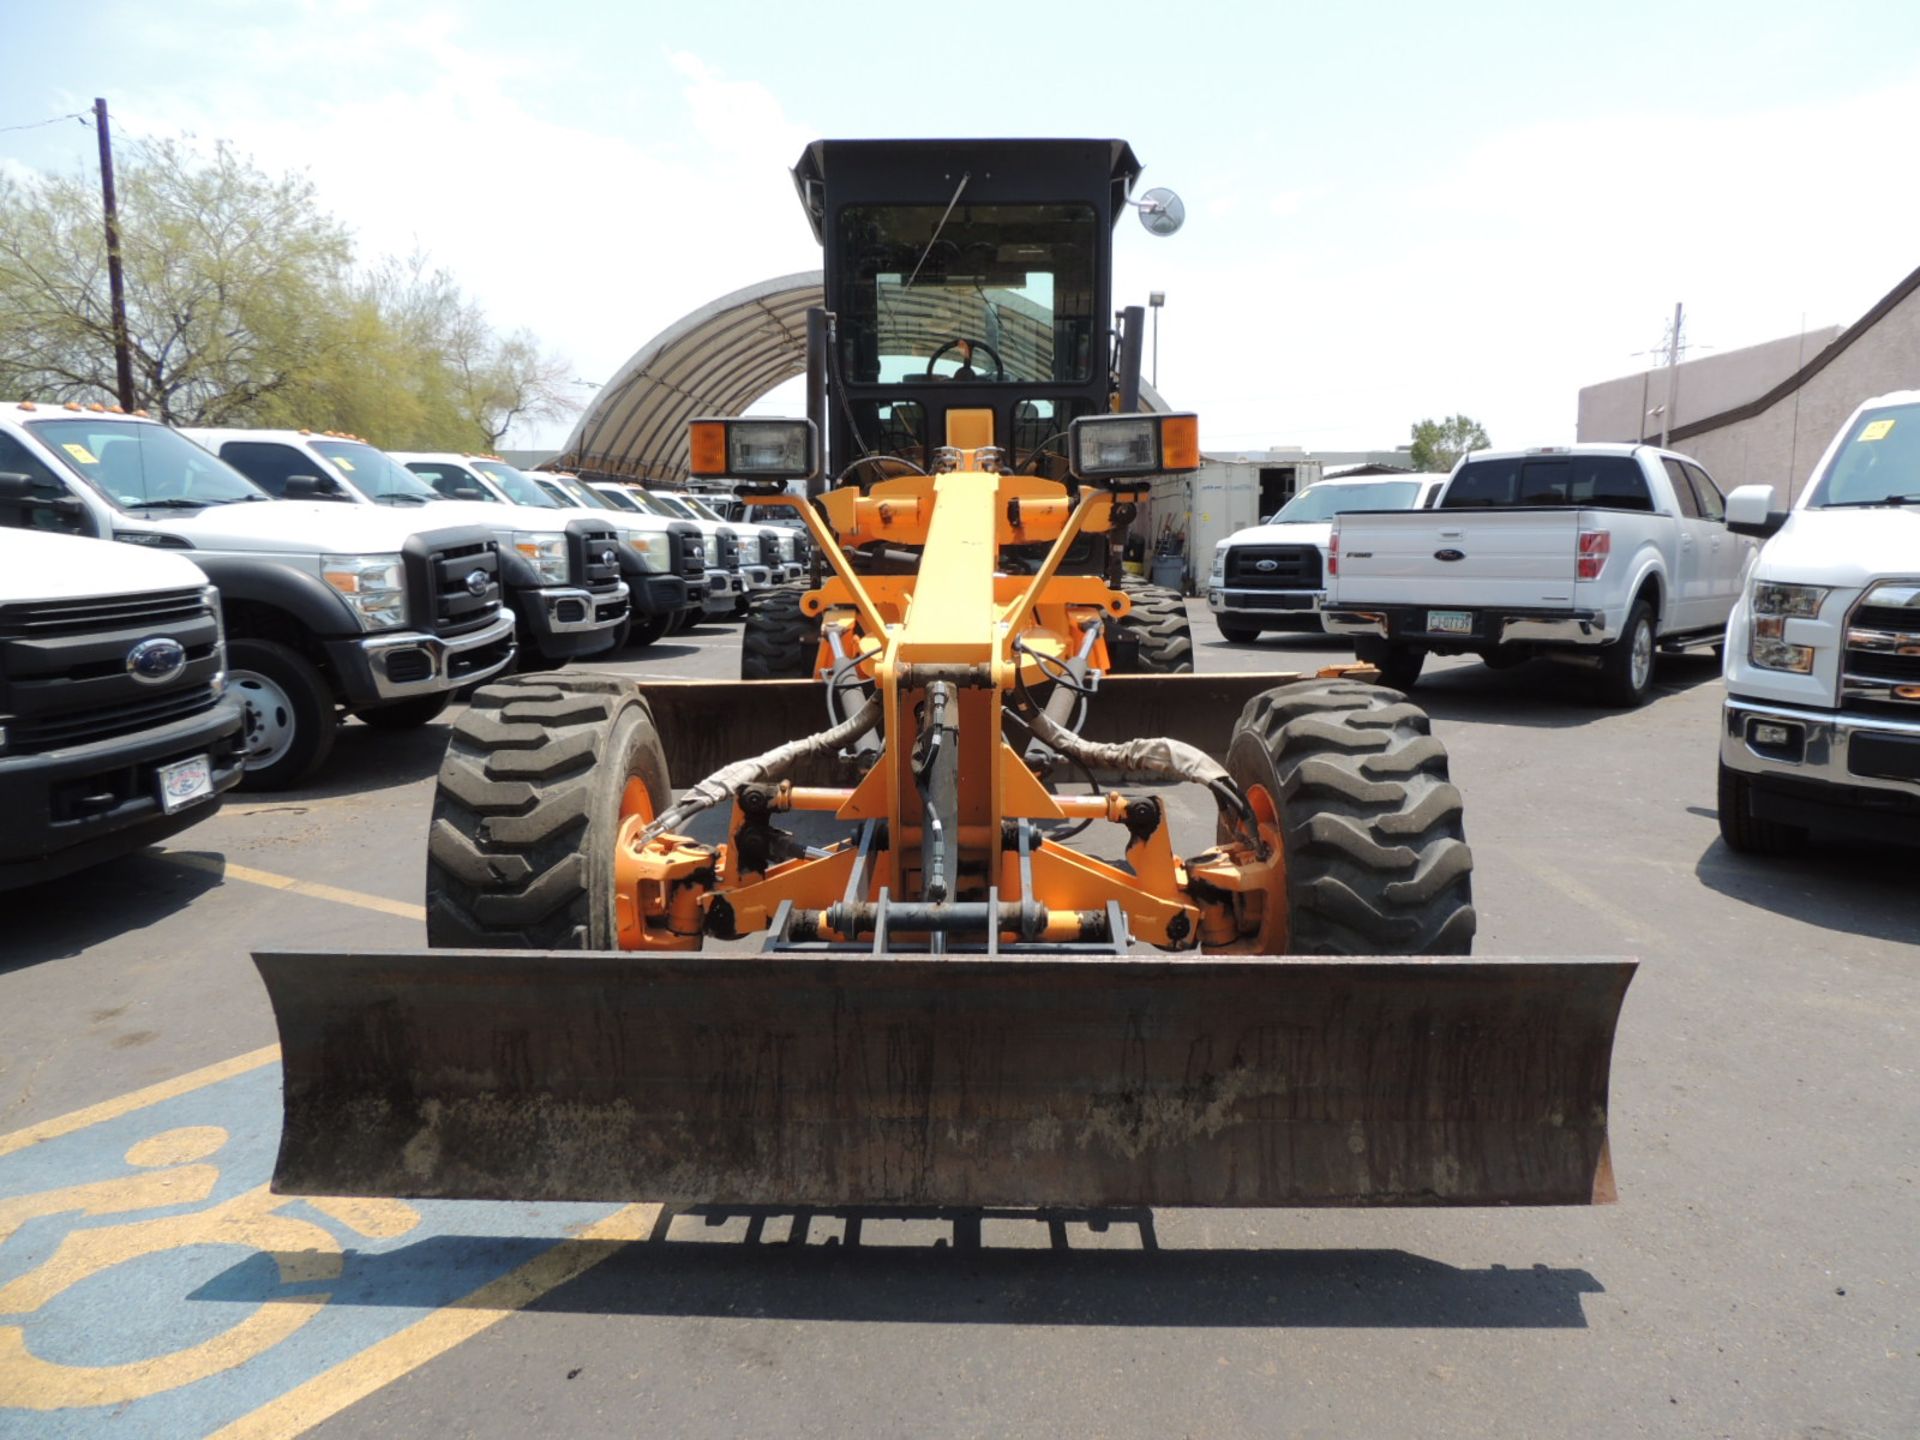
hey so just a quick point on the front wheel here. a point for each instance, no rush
(1350, 780)
(407, 714)
(647, 629)
(288, 719)
(538, 779)
(1626, 666)
(1238, 632)
(1742, 829)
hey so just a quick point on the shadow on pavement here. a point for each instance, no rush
(1853, 889)
(1543, 694)
(64, 917)
(954, 1278)
(365, 759)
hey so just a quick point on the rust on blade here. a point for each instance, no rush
(963, 1080)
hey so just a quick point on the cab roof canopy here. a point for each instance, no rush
(925, 172)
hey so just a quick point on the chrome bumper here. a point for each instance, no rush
(1492, 625)
(759, 577)
(1819, 746)
(444, 658)
(566, 610)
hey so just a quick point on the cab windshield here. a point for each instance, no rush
(1877, 464)
(375, 474)
(577, 493)
(672, 505)
(518, 487)
(143, 467)
(968, 292)
(701, 510)
(1330, 498)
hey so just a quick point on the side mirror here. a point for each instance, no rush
(1750, 512)
(26, 492)
(311, 487)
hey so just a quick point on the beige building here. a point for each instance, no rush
(1764, 414)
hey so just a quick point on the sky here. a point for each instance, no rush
(1394, 210)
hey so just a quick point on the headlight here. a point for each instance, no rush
(1219, 571)
(1773, 605)
(655, 551)
(374, 586)
(782, 546)
(749, 549)
(546, 552)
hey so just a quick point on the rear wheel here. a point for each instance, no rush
(1743, 830)
(1370, 827)
(1158, 622)
(1626, 666)
(1399, 665)
(779, 641)
(538, 777)
(288, 720)
(407, 714)
(1238, 631)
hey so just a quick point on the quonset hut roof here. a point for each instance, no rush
(716, 360)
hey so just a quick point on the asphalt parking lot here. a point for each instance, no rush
(1757, 1277)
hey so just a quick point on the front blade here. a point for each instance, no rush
(964, 1081)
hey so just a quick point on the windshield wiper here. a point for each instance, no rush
(1870, 504)
(400, 497)
(171, 502)
(965, 176)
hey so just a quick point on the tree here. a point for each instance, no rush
(228, 273)
(244, 308)
(1437, 444)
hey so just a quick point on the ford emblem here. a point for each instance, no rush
(156, 661)
(1266, 567)
(607, 557)
(477, 582)
(1449, 554)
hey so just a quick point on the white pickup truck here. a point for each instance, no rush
(1594, 554)
(1822, 716)
(1270, 576)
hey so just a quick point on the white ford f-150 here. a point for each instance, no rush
(1822, 719)
(1270, 576)
(1595, 554)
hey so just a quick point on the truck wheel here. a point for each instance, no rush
(1626, 666)
(1239, 632)
(407, 714)
(1158, 621)
(779, 641)
(647, 629)
(1399, 665)
(288, 722)
(1356, 787)
(1743, 830)
(527, 809)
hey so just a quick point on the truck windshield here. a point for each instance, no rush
(375, 474)
(1599, 482)
(701, 510)
(652, 504)
(672, 506)
(143, 467)
(1015, 282)
(1877, 464)
(518, 487)
(1330, 498)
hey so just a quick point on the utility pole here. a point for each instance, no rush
(1156, 299)
(1673, 365)
(116, 283)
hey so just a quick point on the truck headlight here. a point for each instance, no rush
(1219, 571)
(1774, 604)
(655, 551)
(546, 552)
(374, 587)
(749, 549)
(789, 547)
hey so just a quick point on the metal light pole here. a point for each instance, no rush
(1156, 299)
(1673, 365)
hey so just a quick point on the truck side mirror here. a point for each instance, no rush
(311, 487)
(27, 492)
(1750, 512)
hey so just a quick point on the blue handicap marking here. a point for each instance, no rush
(150, 1278)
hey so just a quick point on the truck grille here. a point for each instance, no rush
(593, 556)
(451, 606)
(1273, 567)
(1880, 669)
(689, 551)
(729, 551)
(64, 672)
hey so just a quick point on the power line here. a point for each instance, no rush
(36, 124)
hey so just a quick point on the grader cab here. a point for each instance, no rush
(996, 961)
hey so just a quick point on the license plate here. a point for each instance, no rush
(184, 782)
(1450, 622)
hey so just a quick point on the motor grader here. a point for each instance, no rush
(955, 999)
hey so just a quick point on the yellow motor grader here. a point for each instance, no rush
(951, 1002)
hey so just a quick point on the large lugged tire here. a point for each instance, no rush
(528, 807)
(1158, 621)
(779, 641)
(1376, 856)
(1746, 832)
(290, 722)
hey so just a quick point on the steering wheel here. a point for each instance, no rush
(966, 370)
